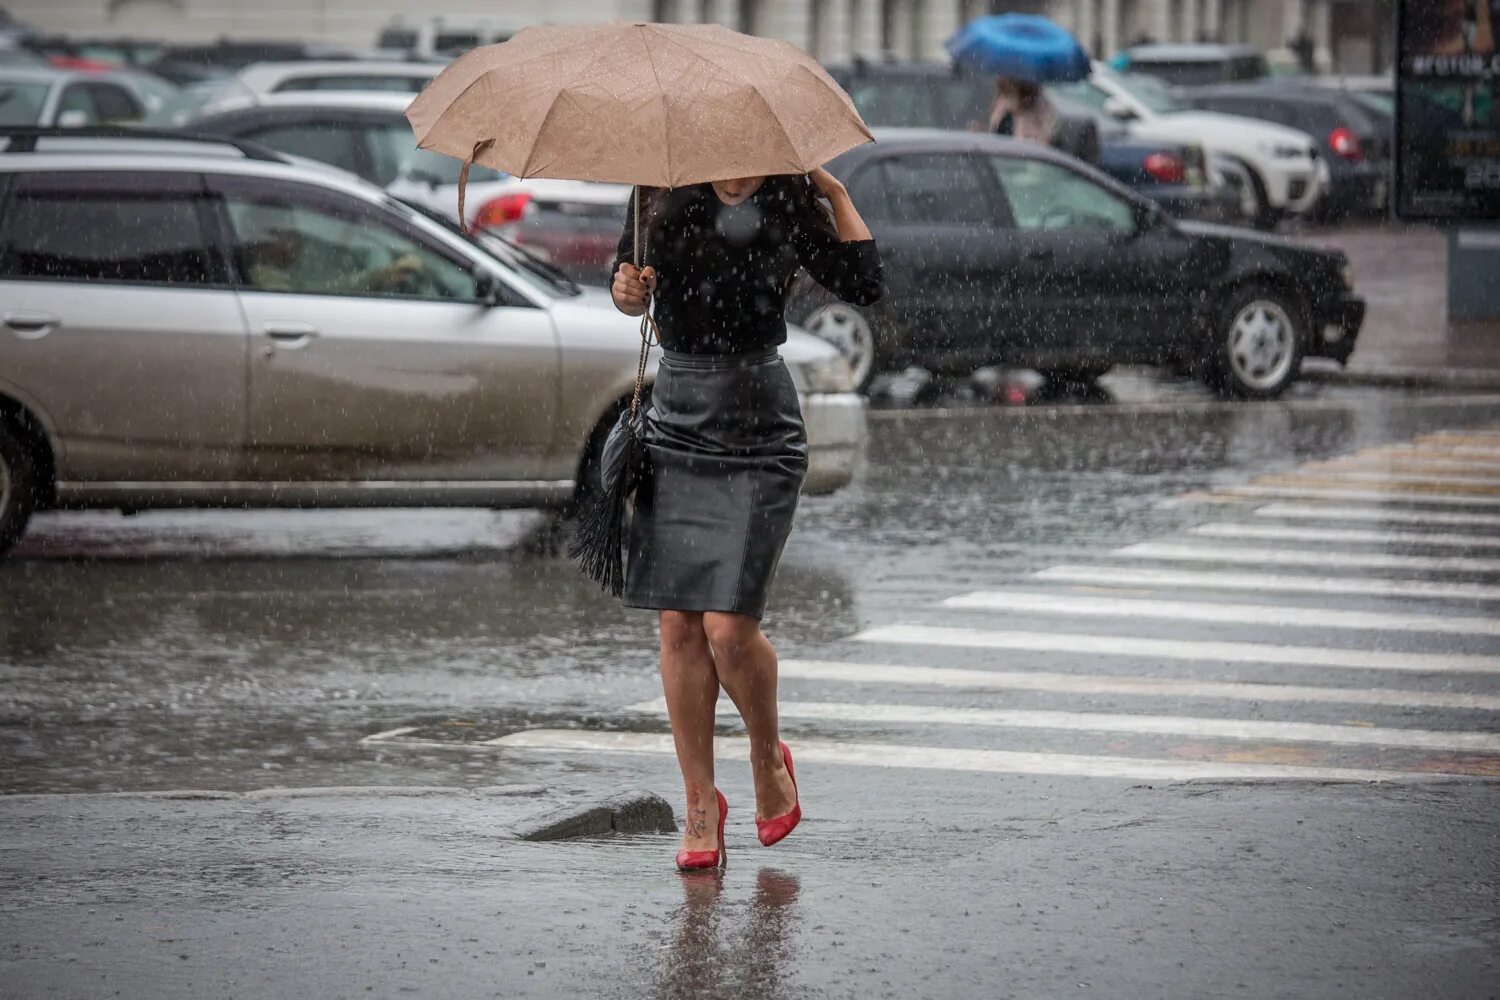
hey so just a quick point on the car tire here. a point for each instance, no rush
(1258, 340)
(18, 486)
(1263, 216)
(1073, 375)
(860, 333)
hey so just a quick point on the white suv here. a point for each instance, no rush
(1287, 177)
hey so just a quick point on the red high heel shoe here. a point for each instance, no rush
(776, 828)
(690, 861)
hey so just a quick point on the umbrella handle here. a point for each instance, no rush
(463, 182)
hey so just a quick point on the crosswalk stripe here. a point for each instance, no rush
(1147, 576)
(1180, 649)
(1242, 614)
(821, 751)
(840, 671)
(1108, 722)
(1278, 532)
(1345, 495)
(1332, 474)
(1302, 557)
(1318, 512)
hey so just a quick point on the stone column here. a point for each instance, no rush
(1213, 19)
(864, 28)
(939, 21)
(1320, 16)
(1162, 19)
(1084, 24)
(900, 41)
(1109, 29)
(1187, 30)
(833, 31)
(725, 12)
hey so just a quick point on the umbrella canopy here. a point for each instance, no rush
(1020, 46)
(659, 104)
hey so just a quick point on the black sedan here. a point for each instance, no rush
(1006, 253)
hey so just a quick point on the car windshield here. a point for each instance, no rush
(435, 168)
(21, 103)
(516, 258)
(1151, 92)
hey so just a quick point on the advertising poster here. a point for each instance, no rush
(1448, 110)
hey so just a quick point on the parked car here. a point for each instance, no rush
(440, 37)
(1196, 63)
(235, 328)
(103, 52)
(999, 252)
(575, 225)
(1356, 147)
(941, 95)
(186, 64)
(75, 98)
(253, 84)
(1285, 171)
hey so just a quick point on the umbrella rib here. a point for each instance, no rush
(665, 107)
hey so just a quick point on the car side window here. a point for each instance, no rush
(389, 149)
(867, 191)
(943, 188)
(353, 81)
(282, 243)
(326, 142)
(114, 105)
(1044, 195)
(86, 226)
(78, 97)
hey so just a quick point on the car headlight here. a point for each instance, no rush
(1282, 151)
(1346, 272)
(827, 375)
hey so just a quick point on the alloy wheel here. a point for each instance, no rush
(847, 329)
(1262, 344)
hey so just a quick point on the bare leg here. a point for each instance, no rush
(746, 665)
(692, 690)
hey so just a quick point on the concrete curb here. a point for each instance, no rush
(277, 792)
(629, 812)
(1398, 377)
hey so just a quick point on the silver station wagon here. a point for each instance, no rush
(186, 322)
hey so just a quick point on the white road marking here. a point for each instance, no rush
(1306, 557)
(1410, 462)
(951, 759)
(389, 734)
(840, 671)
(1359, 536)
(1309, 492)
(1181, 649)
(1106, 722)
(1246, 614)
(1317, 512)
(1331, 474)
(1145, 576)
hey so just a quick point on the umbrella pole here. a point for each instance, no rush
(636, 199)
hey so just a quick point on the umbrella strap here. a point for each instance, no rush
(650, 332)
(463, 182)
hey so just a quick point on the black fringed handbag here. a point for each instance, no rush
(624, 464)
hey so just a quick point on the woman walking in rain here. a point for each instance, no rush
(728, 454)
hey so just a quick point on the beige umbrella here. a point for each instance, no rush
(659, 104)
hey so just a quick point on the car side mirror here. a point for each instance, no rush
(1148, 217)
(1116, 107)
(73, 118)
(488, 291)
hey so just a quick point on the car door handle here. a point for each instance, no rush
(289, 331)
(30, 325)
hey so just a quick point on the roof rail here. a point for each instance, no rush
(23, 139)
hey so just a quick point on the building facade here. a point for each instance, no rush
(1347, 36)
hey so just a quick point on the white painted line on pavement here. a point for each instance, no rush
(1359, 536)
(1258, 491)
(1318, 512)
(953, 759)
(1106, 722)
(1181, 649)
(1332, 474)
(1242, 614)
(1145, 576)
(389, 734)
(840, 671)
(1411, 462)
(1304, 557)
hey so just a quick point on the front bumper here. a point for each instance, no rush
(1336, 325)
(837, 435)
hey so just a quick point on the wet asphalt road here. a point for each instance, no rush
(1030, 855)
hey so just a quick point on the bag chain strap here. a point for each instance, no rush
(650, 332)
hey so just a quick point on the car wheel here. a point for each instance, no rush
(17, 487)
(851, 331)
(1077, 375)
(1262, 214)
(1258, 345)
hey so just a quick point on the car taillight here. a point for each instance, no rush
(1166, 168)
(1345, 143)
(502, 211)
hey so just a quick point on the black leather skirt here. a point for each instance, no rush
(728, 456)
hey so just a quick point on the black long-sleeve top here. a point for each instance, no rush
(723, 271)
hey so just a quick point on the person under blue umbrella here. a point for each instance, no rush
(1023, 51)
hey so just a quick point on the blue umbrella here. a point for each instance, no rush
(1020, 46)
